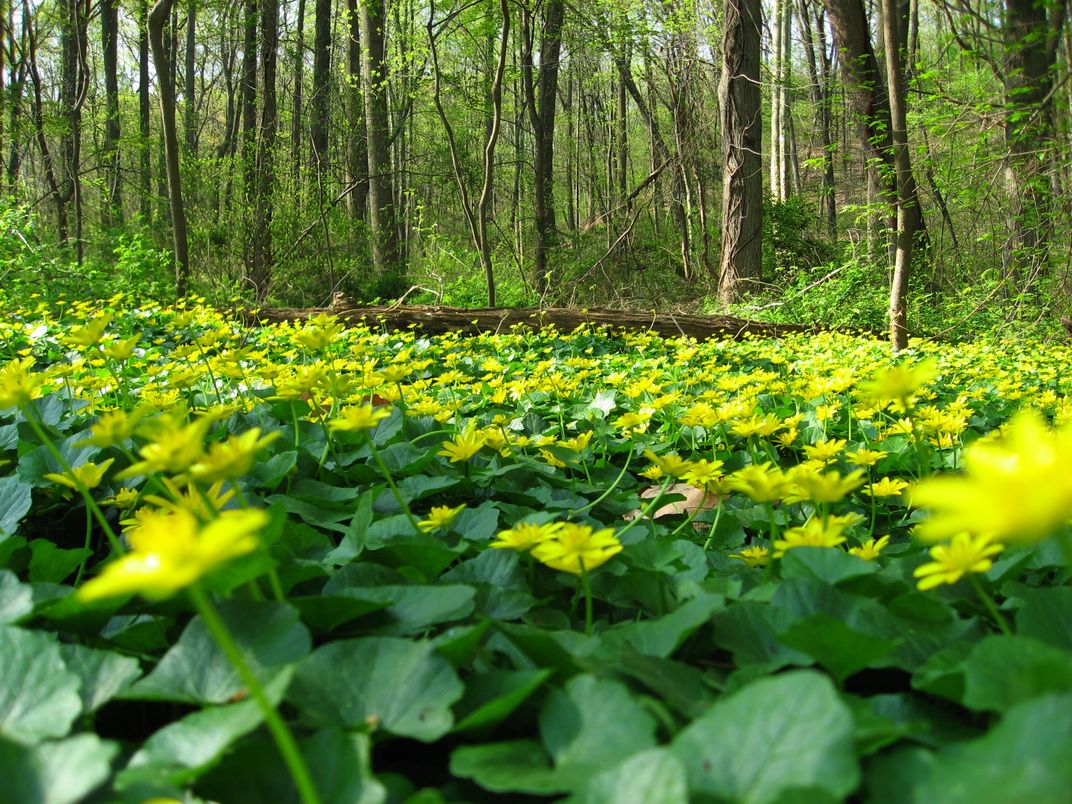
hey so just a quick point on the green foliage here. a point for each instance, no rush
(392, 628)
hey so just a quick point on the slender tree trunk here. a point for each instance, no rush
(386, 249)
(542, 117)
(297, 133)
(902, 268)
(189, 100)
(777, 141)
(262, 255)
(249, 97)
(818, 76)
(742, 133)
(356, 150)
(52, 179)
(159, 17)
(112, 203)
(144, 158)
(318, 125)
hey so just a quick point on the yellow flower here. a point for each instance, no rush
(814, 533)
(577, 443)
(172, 449)
(172, 550)
(525, 535)
(886, 487)
(705, 475)
(18, 385)
(89, 475)
(113, 427)
(866, 457)
(232, 458)
(826, 487)
(762, 482)
(870, 549)
(358, 417)
(753, 556)
(756, 425)
(121, 350)
(576, 548)
(123, 499)
(1017, 488)
(464, 446)
(964, 554)
(899, 382)
(89, 334)
(439, 517)
(824, 450)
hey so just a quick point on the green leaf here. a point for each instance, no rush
(102, 674)
(52, 564)
(662, 636)
(1024, 758)
(1004, 670)
(492, 697)
(186, 748)
(518, 766)
(824, 564)
(15, 503)
(652, 775)
(1047, 616)
(16, 599)
(775, 734)
(402, 687)
(38, 694)
(837, 647)
(195, 670)
(593, 722)
(62, 772)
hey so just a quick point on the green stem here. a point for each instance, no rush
(284, 740)
(714, 527)
(89, 534)
(610, 488)
(91, 504)
(394, 488)
(587, 587)
(991, 607)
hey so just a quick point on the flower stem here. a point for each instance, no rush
(394, 488)
(991, 607)
(284, 740)
(610, 488)
(587, 587)
(91, 504)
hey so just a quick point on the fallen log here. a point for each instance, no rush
(473, 321)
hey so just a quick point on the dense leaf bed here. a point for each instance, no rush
(744, 644)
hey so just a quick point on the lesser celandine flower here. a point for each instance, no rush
(762, 482)
(870, 549)
(232, 458)
(439, 517)
(886, 487)
(753, 556)
(965, 554)
(173, 447)
(170, 551)
(865, 457)
(705, 475)
(816, 532)
(899, 382)
(355, 418)
(1017, 488)
(464, 446)
(525, 535)
(18, 385)
(825, 450)
(577, 548)
(822, 487)
(89, 475)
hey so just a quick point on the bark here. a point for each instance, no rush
(386, 248)
(159, 17)
(542, 117)
(872, 106)
(144, 159)
(469, 321)
(260, 272)
(902, 268)
(356, 150)
(52, 179)
(742, 133)
(249, 97)
(189, 101)
(296, 132)
(1030, 59)
(112, 205)
(318, 125)
(818, 65)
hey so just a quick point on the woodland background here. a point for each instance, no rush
(788, 160)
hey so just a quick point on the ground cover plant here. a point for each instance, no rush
(312, 563)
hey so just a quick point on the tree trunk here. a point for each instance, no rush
(318, 125)
(542, 117)
(297, 134)
(189, 101)
(249, 98)
(145, 164)
(261, 265)
(112, 203)
(742, 134)
(356, 146)
(902, 268)
(386, 249)
(159, 17)
(819, 83)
